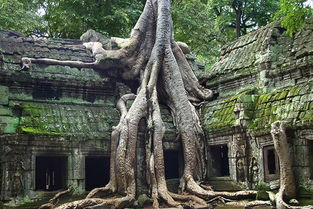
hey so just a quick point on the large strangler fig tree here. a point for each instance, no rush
(283, 147)
(153, 59)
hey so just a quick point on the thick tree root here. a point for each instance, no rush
(54, 200)
(193, 188)
(152, 58)
(187, 197)
(26, 63)
(249, 204)
(287, 189)
(100, 192)
(92, 203)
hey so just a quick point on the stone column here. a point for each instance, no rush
(76, 170)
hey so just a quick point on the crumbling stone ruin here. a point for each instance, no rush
(56, 121)
(264, 77)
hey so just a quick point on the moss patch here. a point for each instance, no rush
(223, 114)
(8, 125)
(257, 110)
(74, 120)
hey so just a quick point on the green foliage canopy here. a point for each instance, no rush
(194, 24)
(295, 14)
(71, 18)
(19, 16)
(206, 25)
(244, 14)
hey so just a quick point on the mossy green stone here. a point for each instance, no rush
(9, 124)
(262, 195)
(5, 111)
(4, 95)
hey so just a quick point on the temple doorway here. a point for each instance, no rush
(51, 172)
(171, 159)
(271, 163)
(220, 161)
(97, 171)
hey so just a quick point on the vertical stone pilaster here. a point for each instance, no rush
(76, 170)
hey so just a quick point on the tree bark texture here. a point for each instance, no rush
(152, 57)
(287, 180)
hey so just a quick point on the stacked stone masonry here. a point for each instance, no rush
(53, 115)
(263, 77)
(65, 115)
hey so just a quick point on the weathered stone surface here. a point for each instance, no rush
(54, 111)
(4, 91)
(263, 77)
(61, 111)
(264, 58)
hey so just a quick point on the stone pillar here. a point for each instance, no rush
(3, 181)
(303, 154)
(28, 173)
(238, 158)
(76, 170)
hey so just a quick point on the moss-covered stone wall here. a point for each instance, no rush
(51, 111)
(263, 77)
(256, 109)
(54, 111)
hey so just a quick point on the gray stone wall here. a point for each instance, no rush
(57, 111)
(263, 77)
(61, 111)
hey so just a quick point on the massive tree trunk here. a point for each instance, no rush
(152, 57)
(287, 188)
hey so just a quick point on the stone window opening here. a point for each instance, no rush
(97, 171)
(171, 159)
(51, 172)
(271, 163)
(220, 160)
(46, 91)
(89, 96)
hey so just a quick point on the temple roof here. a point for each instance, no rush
(266, 57)
(54, 100)
(262, 77)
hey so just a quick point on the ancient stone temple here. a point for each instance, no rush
(56, 121)
(263, 77)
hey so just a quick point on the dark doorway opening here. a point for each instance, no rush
(51, 172)
(97, 170)
(171, 159)
(220, 163)
(271, 163)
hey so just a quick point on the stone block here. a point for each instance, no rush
(8, 124)
(5, 111)
(4, 95)
(301, 156)
(307, 133)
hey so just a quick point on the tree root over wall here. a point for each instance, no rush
(152, 58)
(287, 180)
